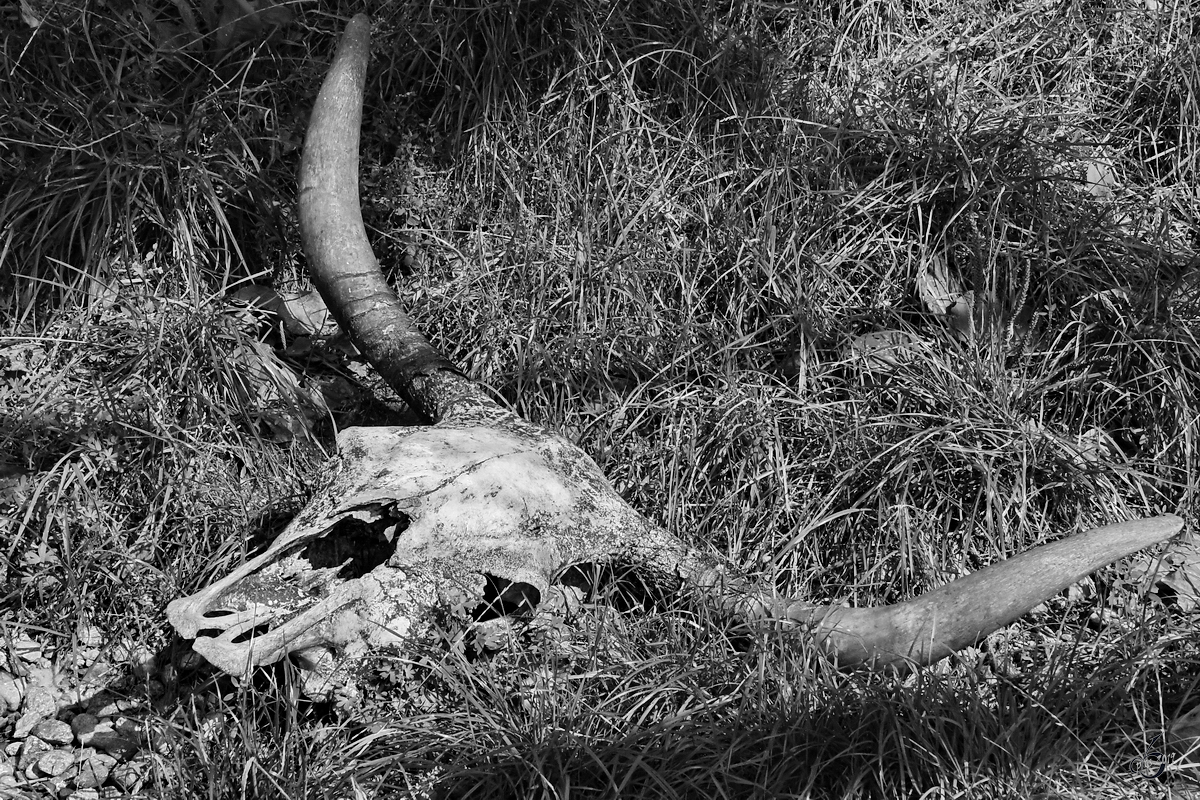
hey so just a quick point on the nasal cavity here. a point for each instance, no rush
(355, 546)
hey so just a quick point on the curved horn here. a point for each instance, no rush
(340, 259)
(959, 614)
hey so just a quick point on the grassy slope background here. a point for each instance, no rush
(656, 227)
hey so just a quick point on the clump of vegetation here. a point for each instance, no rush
(864, 296)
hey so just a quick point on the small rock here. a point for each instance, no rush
(132, 729)
(144, 662)
(7, 781)
(25, 647)
(105, 704)
(11, 749)
(84, 794)
(103, 734)
(25, 724)
(131, 775)
(191, 660)
(39, 707)
(94, 768)
(53, 731)
(40, 704)
(113, 744)
(101, 673)
(89, 641)
(55, 762)
(101, 704)
(6, 768)
(90, 636)
(31, 750)
(12, 691)
(63, 785)
(82, 725)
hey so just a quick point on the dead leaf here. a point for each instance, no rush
(884, 351)
(1183, 734)
(337, 391)
(102, 295)
(28, 15)
(249, 20)
(302, 313)
(305, 313)
(936, 287)
(943, 294)
(1172, 576)
(1184, 300)
(251, 305)
(1101, 180)
(1093, 446)
(284, 426)
(962, 314)
(251, 294)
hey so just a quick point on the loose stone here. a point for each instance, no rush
(26, 648)
(113, 744)
(105, 704)
(12, 691)
(82, 725)
(31, 750)
(39, 705)
(53, 731)
(94, 768)
(129, 776)
(55, 762)
(132, 729)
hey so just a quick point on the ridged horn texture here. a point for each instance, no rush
(960, 613)
(340, 260)
(344, 269)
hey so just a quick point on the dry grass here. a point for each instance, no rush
(657, 227)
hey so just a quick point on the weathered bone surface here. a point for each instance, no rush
(483, 507)
(427, 513)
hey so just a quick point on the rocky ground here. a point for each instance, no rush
(78, 722)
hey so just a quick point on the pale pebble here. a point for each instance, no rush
(129, 776)
(53, 731)
(56, 762)
(31, 750)
(12, 691)
(94, 768)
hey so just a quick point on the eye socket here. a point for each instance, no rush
(502, 598)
